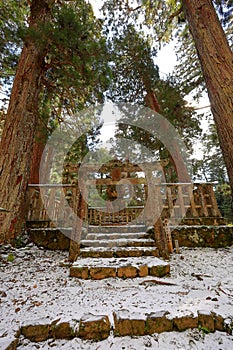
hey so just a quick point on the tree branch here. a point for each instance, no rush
(170, 19)
(130, 9)
(175, 14)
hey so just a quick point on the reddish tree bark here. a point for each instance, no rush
(18, 134)
(216, 60)
(39, 143)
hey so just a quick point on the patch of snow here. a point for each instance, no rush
(116, 262)
(35, 286)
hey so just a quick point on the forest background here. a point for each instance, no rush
(57, 58)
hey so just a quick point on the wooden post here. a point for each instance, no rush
(171, 211)
(201, 192)
(168, 235)
(194, 212)
(80, 215)
(214, 205)
(177, 246)
(181, 200)
(74, 250)
(160, 238)
(156, 203)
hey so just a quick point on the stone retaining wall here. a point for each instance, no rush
(98, 327)
(203, 236)
(49, 238)
(187, 236)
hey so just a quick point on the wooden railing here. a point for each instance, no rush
(53, 199)
(99, 216)
(175, 201)
(191, 200)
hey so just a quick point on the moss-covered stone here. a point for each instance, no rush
(203, 236)
(79, 272)
(206, 320)
(64, 330)
(49, 238)
(159, 270)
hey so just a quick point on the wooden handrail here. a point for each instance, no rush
(198, 198)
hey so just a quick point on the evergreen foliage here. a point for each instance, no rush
(135, 75)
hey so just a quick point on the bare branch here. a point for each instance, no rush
(158, 282)
(223, 291)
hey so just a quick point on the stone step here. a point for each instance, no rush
(118, 252)
(91, 268)
(105, 236)
(117, 229)
(121, 242)
(125, 322)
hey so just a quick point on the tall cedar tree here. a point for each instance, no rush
(136, 79)
(165, 19)
(216, 60)
(18, 133)
(63, 62)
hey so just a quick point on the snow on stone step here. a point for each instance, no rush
(121, 242)
(119, 252)
(130, 267)
(116, 262)
(104, 236)
(117, 229)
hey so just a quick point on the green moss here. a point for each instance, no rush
(10, 257)
(203, 329)
(146, 327)
(160, 271)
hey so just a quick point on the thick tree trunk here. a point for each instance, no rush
(38, 149)
(40, 140)
(216, 59)
(18, 134)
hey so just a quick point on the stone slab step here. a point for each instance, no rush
(130, 235)
(116, 229)
(121, 268)
(96, 327)
(118, 252)
(122, 242)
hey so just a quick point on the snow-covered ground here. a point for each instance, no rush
(35, 285)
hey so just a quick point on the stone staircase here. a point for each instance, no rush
(123, 251)
(117, 241)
